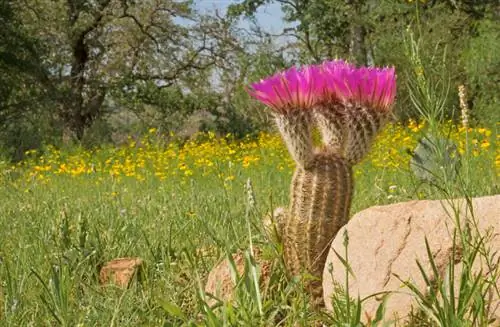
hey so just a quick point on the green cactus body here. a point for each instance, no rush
(295, 127)
(349, 128)
(319, 206)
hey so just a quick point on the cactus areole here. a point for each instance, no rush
(348, 105)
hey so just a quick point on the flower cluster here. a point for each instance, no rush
(331, 82)
(148, 158)
(294, 88)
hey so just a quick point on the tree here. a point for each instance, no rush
(375, 32)
(18, 58)
(20, 91)
(322, 28)
(96, 47)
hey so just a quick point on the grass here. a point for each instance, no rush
(181, 208)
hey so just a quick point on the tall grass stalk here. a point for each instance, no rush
(451, 301)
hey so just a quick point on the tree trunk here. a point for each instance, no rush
(357, 48)
(357, 34)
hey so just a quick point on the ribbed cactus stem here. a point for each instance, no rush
(354, 126)
(295, 128)
(330, 125)
(363, 125)
(320, 201)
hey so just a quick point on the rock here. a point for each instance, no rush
(120, 271)
(387, 240)
(220, 283)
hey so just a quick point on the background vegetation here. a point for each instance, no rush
(100, 105)
(98, 71)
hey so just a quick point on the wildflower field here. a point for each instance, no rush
(181, 206)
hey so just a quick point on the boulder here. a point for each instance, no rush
(220, 284)
(120, 271)
(386, 241)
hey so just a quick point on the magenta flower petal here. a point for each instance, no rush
(295, 88)
(369, 86)
(333, 81)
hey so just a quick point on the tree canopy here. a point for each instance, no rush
(71, 67)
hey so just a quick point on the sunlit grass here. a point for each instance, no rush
(179, 206)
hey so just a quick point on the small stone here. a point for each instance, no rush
(120, 271)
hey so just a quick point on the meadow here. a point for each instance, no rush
(182, 207)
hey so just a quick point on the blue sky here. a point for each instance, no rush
(269, 17)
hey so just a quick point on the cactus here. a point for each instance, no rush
(349, 131)
(330, 123)
(349, 106)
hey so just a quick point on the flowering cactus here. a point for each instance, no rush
(292, 95)
(331, 82)
(349, 105)
(356, 103)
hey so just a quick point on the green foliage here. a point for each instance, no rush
(321, 26)
(376, 32)
(435, 160)
(17, 51)
(482, 65)
(461, 302)
(92, 49)
(103, 70)
(59, 226)
(20, 118)
(242, 114)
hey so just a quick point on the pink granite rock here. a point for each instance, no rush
(221, 285)
(120, 272)
(385, 241)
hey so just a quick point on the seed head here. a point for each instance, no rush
(462, 95)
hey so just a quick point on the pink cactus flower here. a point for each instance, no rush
(289, 90)
(331, 82)
(369, 86)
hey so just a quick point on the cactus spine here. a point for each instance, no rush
(349, 130)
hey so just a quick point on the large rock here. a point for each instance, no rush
(385, 241)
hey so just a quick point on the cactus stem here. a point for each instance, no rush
(295, 128)
(320, 200)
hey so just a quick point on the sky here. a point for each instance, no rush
(269, 17)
